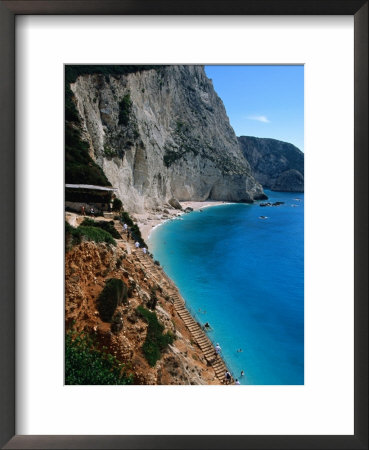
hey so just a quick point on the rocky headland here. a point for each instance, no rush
(276, 165)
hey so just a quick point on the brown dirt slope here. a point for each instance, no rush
(87, 267)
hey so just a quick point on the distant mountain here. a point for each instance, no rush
(276, 165)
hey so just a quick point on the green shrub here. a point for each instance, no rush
(117, 204)
(135, 230)
(85, 364)
(155, 341)
(126, 219)
(170, 157)
(113, 295)
(79, 166)
(125, 106)
(136, 235)
(151, 304)
(103, 225)
(96, 234)
(72, 236)
(109, 152)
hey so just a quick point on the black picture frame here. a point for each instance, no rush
(8, 12)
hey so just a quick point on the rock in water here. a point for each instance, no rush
(162, 133)
(276, 165)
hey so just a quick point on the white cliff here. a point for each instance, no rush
(163, 133)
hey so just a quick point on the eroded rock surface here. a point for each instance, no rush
(276, 165)
(163, 133)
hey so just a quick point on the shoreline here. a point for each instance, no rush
(148, 221)
(183, 310)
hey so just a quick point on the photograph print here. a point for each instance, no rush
(184, 225)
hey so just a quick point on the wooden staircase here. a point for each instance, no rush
(197, 333)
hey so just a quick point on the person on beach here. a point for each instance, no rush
(237, 382)
(144, 250)
(217, 349)
(228, 377)
(137, 244)
(125, 227)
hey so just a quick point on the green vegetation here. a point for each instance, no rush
(170, 157)
(108, 152)
(85, 364)
(155, 341)
(96, 234)
(127, 219)
(90, 231)
(72, 236)
(151, 304)
(79, 166)
(136, 235)
(71, 113)
(125, 106)
(135, 231)
(103, 225)
(113, 295)
(117, 204)
(181, 126)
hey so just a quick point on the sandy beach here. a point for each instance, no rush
(149, 220)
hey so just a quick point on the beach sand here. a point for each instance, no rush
(149, 220)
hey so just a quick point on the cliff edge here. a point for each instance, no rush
(162, 133)
(276, 165)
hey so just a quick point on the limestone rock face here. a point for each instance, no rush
(163, 133)
(276, 165)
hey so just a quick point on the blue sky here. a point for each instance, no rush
(263, 101)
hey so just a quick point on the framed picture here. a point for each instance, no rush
(324, 405)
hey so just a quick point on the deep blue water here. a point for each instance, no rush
(246, 276)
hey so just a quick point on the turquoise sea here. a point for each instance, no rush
(245, 276)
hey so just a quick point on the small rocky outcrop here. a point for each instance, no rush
(175, 203)
(276, 165)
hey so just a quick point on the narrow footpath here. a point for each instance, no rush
(198, 334)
